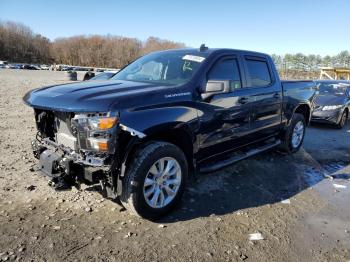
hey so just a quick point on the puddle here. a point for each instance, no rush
(334, 166)
(314, 176)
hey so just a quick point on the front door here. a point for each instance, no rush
(224, 118)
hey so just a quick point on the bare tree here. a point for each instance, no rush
(18, 43)
(154, 44)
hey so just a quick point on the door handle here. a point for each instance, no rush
(243, 100)
(276, 95)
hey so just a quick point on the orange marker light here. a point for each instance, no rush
(106, 123)
(103, 146)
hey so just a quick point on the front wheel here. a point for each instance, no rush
(155, 180)
(343, 119)
(294, 136)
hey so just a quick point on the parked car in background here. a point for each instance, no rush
(3, 64)
(332, 103)
(104, 76)
(44, 67)
(15, 66)
(31, 67)
(67, 68)
(79, 68)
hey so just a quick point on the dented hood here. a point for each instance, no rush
(87, 96)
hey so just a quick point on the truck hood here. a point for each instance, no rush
(329, 100)
(87, 96)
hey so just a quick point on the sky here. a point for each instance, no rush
(270, 26)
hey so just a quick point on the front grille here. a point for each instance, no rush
(64, 135)
(66, 140)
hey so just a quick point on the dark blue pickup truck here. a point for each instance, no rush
(167, 116)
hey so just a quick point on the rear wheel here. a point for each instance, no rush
(343, 120)
(155, 180)
(294, 136)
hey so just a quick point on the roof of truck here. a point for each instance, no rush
(215, 50)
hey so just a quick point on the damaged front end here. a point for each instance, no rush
(75, 147)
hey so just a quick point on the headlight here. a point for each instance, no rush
(91, 122)
(325, 108)
(95, 131)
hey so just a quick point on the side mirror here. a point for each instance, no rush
(214, 86)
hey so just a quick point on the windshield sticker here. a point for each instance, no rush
(194, 58)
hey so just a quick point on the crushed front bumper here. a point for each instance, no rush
(59, 161)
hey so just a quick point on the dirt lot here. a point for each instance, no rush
(213, 223)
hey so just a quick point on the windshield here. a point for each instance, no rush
(103, 76)
(164, 68)
(336, 89)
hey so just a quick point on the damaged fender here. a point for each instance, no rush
(132, 132)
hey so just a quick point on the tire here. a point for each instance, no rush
(88, 76)
(288, 144)
(342, 120)
(145, 164)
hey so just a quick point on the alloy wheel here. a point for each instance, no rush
(162, 182)
(298, 134)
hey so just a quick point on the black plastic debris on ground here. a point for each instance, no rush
(31, 188)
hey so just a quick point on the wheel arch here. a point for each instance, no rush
(305, 110)
(181, 137)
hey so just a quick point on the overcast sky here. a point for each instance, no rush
(271, 26)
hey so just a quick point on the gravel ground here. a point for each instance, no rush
(213, 223)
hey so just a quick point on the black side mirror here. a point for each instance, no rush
(214, 87)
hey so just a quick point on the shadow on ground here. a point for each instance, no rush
(267, 178)
(264, 179)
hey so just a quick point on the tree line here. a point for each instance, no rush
(303, 62)
(300, 66)
(105, 51)
(18, 43)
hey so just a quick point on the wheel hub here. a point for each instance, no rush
(298, 134)
(162, 182)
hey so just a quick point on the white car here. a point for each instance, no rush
(44, 67)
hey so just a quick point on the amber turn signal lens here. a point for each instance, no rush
(106, 123)
(103, 146)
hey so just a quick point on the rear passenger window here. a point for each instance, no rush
(259, 73)
(226, 70)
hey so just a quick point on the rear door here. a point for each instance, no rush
(224, 120)
(265, 91)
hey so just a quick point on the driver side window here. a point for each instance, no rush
(226, 70)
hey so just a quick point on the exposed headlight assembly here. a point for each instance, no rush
(335, 107)
(98, 121)
(94, 131)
